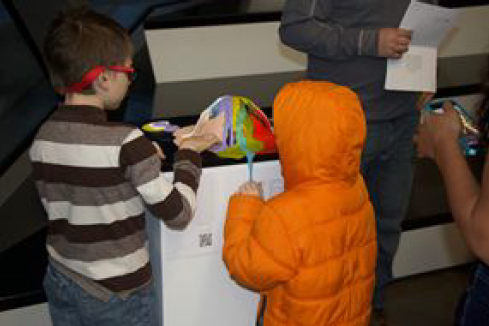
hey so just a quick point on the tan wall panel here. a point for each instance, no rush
(471, 36)
(196, 53)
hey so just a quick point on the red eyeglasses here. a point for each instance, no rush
(93, 73)
(129, 71)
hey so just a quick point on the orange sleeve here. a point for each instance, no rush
(257, 248)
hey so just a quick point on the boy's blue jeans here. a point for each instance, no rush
(473, 309)
(388, 168)
(70, 305)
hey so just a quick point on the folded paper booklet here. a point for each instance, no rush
(416, 69)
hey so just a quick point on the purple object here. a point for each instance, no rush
(224, 104)
(162, 125)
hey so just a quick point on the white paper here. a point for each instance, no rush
(415, 72)
(416, 69)
(429, 23)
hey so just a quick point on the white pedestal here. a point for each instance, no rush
(195, 287)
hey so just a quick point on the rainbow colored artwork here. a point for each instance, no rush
(247, 130)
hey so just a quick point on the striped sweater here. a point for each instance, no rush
(95, 179)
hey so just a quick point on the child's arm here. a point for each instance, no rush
(469, 201)
(174, 203)
(258, 250)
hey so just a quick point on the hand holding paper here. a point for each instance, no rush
(393, 42)
(416, 69)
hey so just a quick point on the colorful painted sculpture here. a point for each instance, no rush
(246, 130)
(242, 128)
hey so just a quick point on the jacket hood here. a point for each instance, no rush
(320, 132)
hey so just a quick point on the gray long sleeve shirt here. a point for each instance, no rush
(340, 39)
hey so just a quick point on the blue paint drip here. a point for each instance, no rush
(240, 118)
(249, 157)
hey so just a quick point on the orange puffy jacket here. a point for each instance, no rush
(312, 249)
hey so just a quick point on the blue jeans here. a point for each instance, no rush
(388, 168)
(70, 305)
(473, 309)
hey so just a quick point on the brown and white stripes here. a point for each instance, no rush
(95, 179)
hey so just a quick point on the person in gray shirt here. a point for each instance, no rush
(348, 42)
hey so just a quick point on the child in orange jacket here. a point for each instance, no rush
(310, 251)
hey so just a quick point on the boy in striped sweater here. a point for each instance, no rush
(96, 178)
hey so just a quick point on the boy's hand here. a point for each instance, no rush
(438, 130)
(159, 151)
(198, 143)
(251, 188)
(393, 42)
